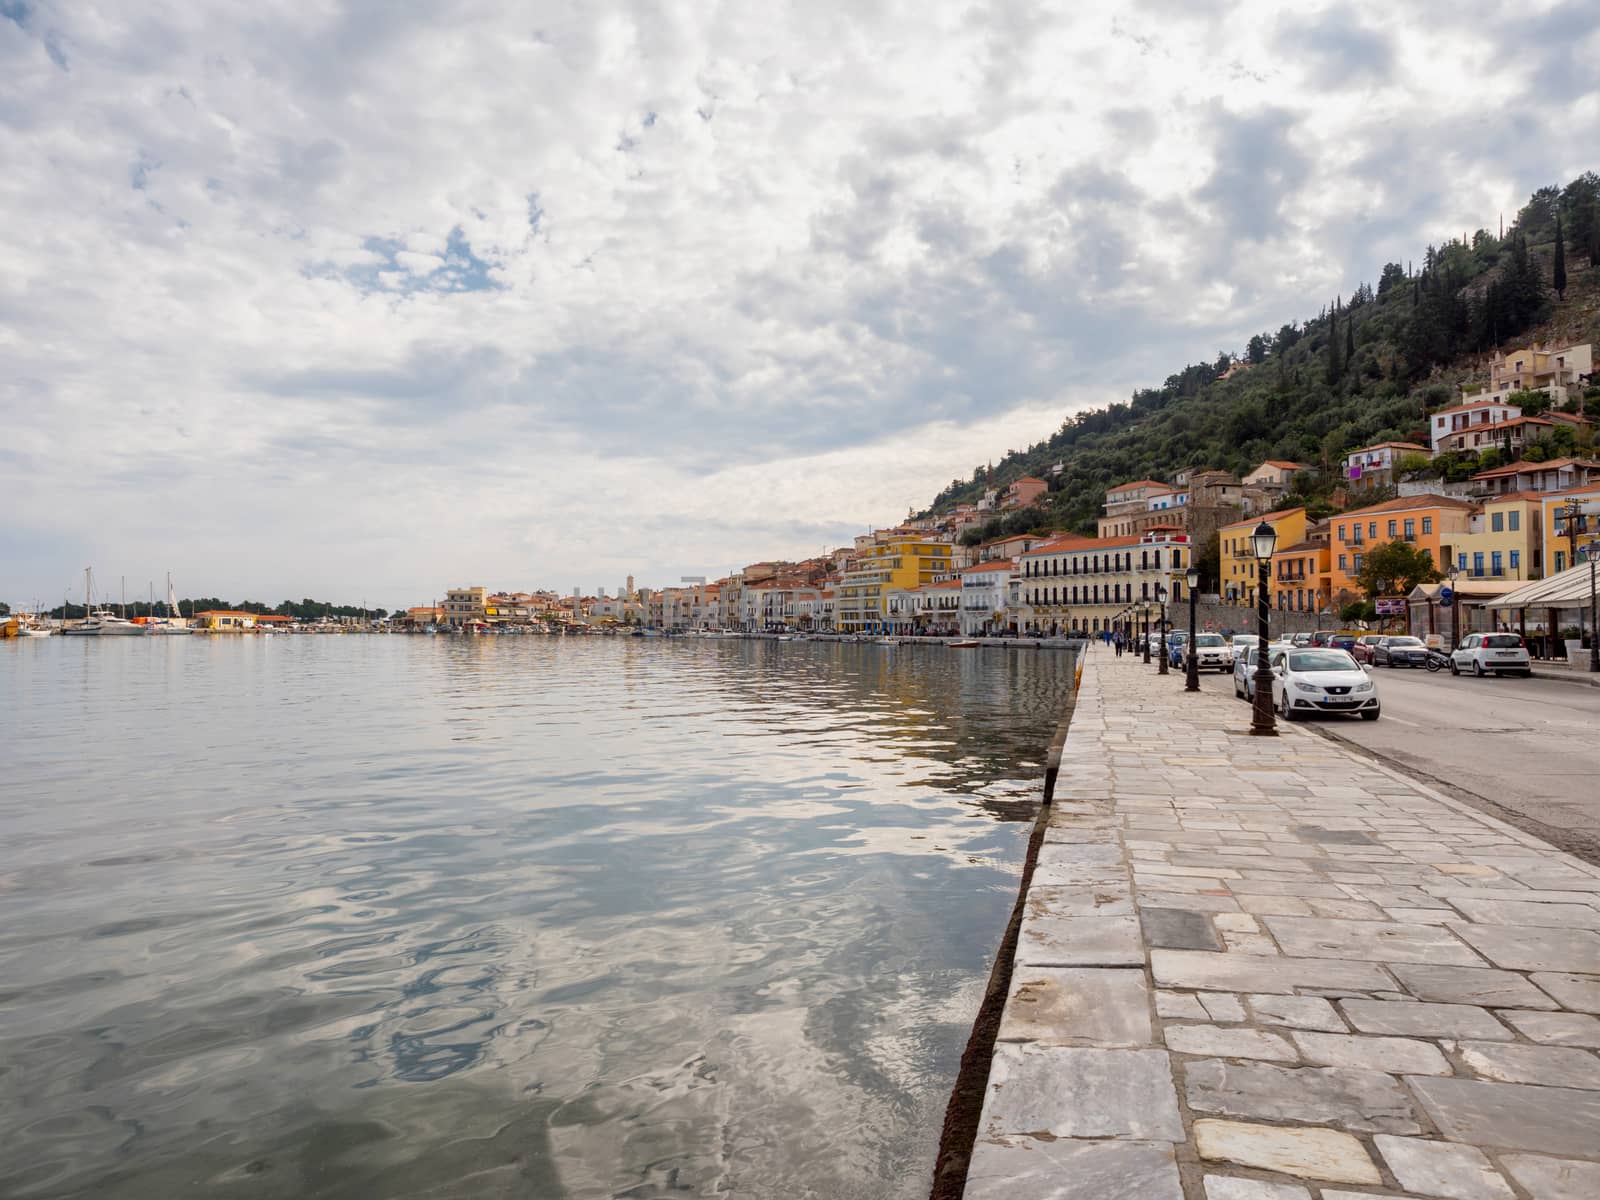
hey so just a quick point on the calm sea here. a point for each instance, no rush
(375, 917)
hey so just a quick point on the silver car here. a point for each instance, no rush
(1211, 652)
(1244, 674)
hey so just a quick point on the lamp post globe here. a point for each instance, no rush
(1263, 541)
(1191, 674)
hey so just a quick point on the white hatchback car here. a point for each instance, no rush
(1486, 653)
(1320, 679)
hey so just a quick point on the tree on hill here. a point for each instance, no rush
(1335, 365)
(1399, 566)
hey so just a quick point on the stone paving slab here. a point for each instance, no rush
(1273, 969)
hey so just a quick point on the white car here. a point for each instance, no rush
(1244, 675)
(1212, 652)
(1243, 642)
(1318, 680)
(1486, 653)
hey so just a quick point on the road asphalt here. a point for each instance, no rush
(1524, 750)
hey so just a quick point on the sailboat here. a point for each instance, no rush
(171, 625)
(88, 627)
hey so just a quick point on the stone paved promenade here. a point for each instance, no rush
(1270, 969)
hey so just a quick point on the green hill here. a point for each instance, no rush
(1367, 369)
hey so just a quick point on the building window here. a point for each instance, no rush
(1461, 560)
(1516, 560)
(1477, 562)
(1496, 562)
(1561, 561)
(1343, 563)
(1342, 537)
(1427, 525)
(1515, 518)
(1372, 530)
(1394, 528)
(1358, 564)
(1497, 522)
(1411, 529)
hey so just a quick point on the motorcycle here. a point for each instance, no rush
(1437, 659)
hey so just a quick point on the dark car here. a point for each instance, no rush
(1400, 652)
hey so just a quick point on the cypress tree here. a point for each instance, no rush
(1560, 280)
(1349, 340)
(1335, 368)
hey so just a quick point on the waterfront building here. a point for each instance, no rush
(985, 597)
(895, 563)
(1240, 572)
(1083, 585)
(1561, 535)
(223, 620)
(1300, 573)
(1504, 540)
(465, 606)
(1432, 524)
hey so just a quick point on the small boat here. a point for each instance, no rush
(963, 644)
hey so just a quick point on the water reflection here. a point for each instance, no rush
(376, 917)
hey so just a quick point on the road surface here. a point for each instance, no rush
(1524, 750)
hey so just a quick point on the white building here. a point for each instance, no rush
(986, 597)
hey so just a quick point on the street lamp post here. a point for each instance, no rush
(1591, 552)
(1191, 680)
(1144, 618)
(1161, 595)
(1262, 721)
(1455, 606)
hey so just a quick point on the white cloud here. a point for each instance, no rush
(356, 297)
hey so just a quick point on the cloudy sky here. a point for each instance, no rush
(368, 298)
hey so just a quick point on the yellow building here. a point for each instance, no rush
(466, 606)
(1240, 570)
(1300, 577)
(897, 563)
(1561, 534)
(1504, 540)
(222, 620)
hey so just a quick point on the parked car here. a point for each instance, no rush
(1242, 643)
(1365, 647)
(1211, 653)
(1317, 680)
(1400, 652)
(1244, 674)
(1301, 639)
(1499, 653)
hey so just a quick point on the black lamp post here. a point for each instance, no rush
(1455, 606)
(1161, 595)
(1191, 682)
(1262, 721)
(1144, 628)
(1591, 553)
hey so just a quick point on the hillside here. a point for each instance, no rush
(1366, 369)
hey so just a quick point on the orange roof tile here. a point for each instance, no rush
(1408, 503)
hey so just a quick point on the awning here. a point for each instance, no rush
(1570, 589)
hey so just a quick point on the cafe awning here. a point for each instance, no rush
(1570, 589)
